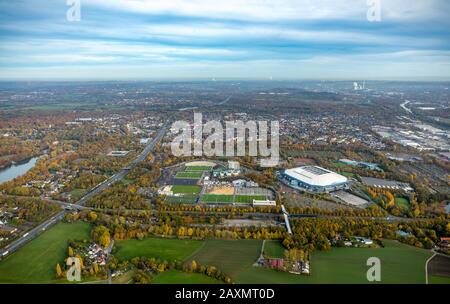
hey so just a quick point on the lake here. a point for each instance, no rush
(17, 170)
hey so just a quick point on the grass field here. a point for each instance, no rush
(402, 202)
(339, 265)
(217, 198)
(76, 194)
(198, 168)
(186, 189)
(178, 277)
(232, 257)
(36, 261)
(438, 280)
(273, 249)
(190, 175)
(164, 249)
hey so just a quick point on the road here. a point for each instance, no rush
(36, 231)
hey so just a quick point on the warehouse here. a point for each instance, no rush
(313, 179)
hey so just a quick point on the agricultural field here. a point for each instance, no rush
(186, 189)
(339, 265)
(232, 257)
(179, 277)
(273, 249)
(35, 262)
(198, 168)
(159, 248)
(189, 175)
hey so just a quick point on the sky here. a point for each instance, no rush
(242, 39)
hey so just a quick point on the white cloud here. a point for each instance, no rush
(281, 9)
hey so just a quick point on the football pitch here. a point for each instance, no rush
(189, 175)
(186, 189)
(198, 168)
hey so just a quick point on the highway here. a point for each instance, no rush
(36, 231)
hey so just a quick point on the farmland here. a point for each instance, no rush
(35, 262)
(339, 265)
(164, 249)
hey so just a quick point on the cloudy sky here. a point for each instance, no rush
(283, 39)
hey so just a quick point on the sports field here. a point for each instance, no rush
(339, 265)
(198, 168)
(36, 261)
(217, 198)
(178, 277)
(190, 175)
(186, 189)
(224, 198)
(159, 248)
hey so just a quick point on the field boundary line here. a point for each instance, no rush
(195, 252)
(426, 267)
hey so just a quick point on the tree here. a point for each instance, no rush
(193, 266)
(58, 270)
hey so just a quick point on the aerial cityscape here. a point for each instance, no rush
(179, 143)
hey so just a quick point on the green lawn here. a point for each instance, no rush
(198, 168)
(186, 189)
(217, 198)
(36, 261)
(164, 249)
(190, 175)
(402, 202)
(274, 249)
(178, 277)
(233, 257)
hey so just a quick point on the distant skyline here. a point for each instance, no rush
(205, 39)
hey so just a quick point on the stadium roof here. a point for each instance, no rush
(315, 176)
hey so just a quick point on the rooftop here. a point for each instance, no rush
(316, 176)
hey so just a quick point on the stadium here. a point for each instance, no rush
(313, 179)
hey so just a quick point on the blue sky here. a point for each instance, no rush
(282, 39)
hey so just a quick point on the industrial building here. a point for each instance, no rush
(313, 179)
